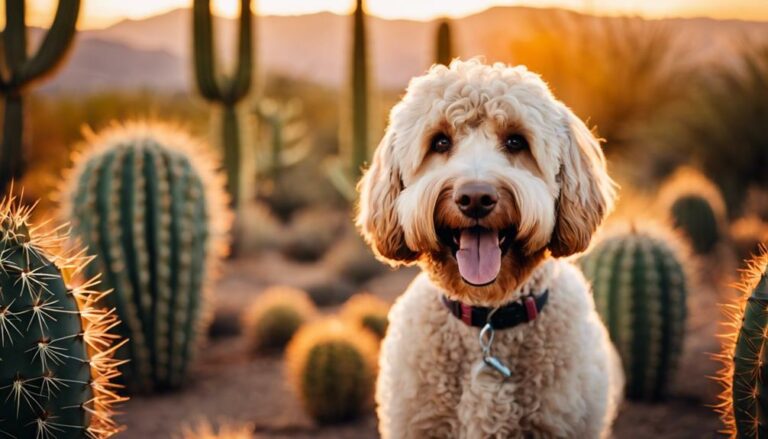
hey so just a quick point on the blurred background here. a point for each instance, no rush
(677, 89)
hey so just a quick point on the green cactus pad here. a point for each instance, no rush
(639, 285)
(146, 199)
(55, 353)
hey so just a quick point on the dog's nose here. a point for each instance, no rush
(476, 199)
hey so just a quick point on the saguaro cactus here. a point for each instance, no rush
(639, 284)
(346, 170)
(227, 91)
(146, 199)
(444, 43)
(23, 71)
(745, 347)
(57, 365)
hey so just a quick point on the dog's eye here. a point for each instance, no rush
(440, 143)
(515, 142)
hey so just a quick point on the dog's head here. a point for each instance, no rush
(482, 172)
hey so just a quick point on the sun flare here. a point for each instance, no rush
(102, 13)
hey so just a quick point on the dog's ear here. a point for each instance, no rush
(377, 213)
(586, 192)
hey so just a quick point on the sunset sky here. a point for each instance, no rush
(101, 13)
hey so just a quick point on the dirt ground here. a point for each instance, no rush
(228, 385)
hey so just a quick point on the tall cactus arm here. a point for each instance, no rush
(202, 36)
(15, 36)
(359, 93)
(240, 84)
(55, 44)
(444, 46)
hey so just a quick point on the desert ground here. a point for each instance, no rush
(230, 385)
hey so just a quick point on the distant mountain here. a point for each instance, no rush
(155, 52)
(96, 64)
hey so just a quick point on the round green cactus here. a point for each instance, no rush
(333, 368)
(696, 208)
(55, 351)
(146, 199)
(640, 285)
(272, 319)
(745, 348)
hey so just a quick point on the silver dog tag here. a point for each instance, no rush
(496, 364)
(486, 343)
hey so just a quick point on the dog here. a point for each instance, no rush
(486, 181)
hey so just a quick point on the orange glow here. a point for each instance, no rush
(101, 13)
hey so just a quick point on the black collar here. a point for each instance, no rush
(507, 316)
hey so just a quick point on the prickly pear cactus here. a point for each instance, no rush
(745, 369)
(696, 208)
(55, 351)
(146, 199)
(640, 285)
(333, 368)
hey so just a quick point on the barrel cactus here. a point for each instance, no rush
(696, 208)
(56, 351)
(146, 199)
(640, 283)
(332, 366)
(272, 319)
(368, 312)
(745, 369)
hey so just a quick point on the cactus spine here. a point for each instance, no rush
(695, 207)
(444, 46)
(23, 71)
(640, 286)
(56, 352)
(225, 90)
(333, 367)
(745, 394)
(147, 200)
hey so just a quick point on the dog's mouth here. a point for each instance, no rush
(478, 251)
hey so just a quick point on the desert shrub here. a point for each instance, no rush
(633, 69)
(367, 311)
(723, 127)
(271, 319)
(332, 367)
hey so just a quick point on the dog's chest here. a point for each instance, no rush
(490, 405)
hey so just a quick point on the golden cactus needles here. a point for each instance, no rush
(57, 362)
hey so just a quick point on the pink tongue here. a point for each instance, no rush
(479, 256)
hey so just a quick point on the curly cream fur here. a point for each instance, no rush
(566, 380)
